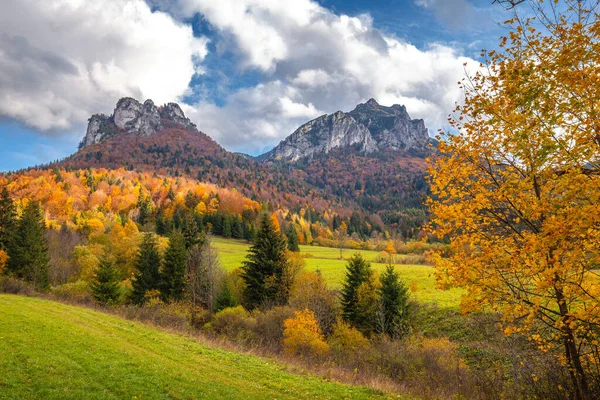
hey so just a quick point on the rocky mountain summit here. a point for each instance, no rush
(131, 116)
(371, 126)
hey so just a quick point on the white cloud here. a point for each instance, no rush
(62, 60)
(314, 61)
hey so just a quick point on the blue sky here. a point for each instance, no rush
(247, 72)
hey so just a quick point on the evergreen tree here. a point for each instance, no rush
(263, 270)
(147, 266)
(249, 232)
(105, 286)
(293, 240)
(190, 231)
(172, 274)
(161, 228)
(357, 272)
(145, 206)
(225, 298)
(395, 311)
(226, 227)
(8, 220)
(28, 250)
(237, 230)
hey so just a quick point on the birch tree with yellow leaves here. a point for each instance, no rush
(516, 186)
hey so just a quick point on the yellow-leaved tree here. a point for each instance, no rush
(3, 261)
(516, 188)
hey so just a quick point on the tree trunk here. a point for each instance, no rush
(582, 391)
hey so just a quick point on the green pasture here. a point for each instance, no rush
(326, 259)
(50, 350)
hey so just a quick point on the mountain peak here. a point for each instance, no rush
(131, 116)
(370, 125)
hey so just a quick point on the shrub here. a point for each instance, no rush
(235, 323)
(346, 342)
(174, 315)
(417, 357)
(75, 291)
(269, 326)
(302, 335)
(12, 285)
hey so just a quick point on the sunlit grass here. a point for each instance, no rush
(50, 350)
(326, 259)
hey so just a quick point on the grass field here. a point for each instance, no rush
(50, 350)
(326, 259)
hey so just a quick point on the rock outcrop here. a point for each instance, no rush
(371, 126)
(132, 117)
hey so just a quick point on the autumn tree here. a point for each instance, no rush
(358, 271)
(28, 250)
(147, 267)
(302, 335)
(3, 261)
(311, 292)
(105, 286)
(390, 250)
(265, 267)
(516, 189)
(172, 274)
(340, 235)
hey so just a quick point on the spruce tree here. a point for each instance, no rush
(237, 230)
(147, 266)
(161, 228)
(105, 286)
(190, 231)
(145, 206)
(225, 298)
(28, 249)
(395, 311)
(357, 272)
(249, 232)
(172, 275)
(293, 240)
(8, 220)
(226, 232)
(264, 268)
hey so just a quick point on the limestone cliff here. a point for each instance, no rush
(132, 117)
(370, 126)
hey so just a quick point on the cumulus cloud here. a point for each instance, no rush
(62, 60)
(314, 61)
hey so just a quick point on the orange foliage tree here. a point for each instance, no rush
(3, 261)
(517, 187)
(302, 335)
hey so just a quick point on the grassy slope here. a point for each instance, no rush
(326, 259)
(50, 350)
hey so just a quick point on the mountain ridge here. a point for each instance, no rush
(382, 187)
(370, 125)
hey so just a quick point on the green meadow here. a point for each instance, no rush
(50, 350)
(326, 259)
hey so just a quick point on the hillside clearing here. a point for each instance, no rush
(55, 351)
